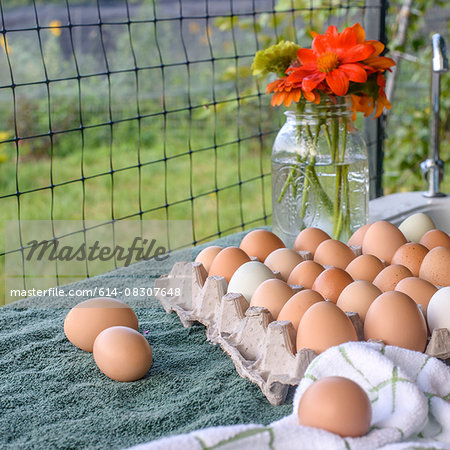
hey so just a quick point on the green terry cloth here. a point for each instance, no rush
(52, 395)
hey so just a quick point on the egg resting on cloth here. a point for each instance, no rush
(409, 393)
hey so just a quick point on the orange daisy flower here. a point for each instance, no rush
(335, 58)
(362, 103)
(382, 100)
(287, 92)
(367, 104)
(374, 62)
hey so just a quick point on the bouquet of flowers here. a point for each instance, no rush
(337, 66)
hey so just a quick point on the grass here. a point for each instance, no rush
(233, 168)
(168, 173)
(151, 168)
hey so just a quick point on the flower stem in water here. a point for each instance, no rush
(337, 183)
(341, 217)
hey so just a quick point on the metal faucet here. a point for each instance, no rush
(433, 167)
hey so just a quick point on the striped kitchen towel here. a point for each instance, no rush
(409, 392)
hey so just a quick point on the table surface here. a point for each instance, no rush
(52, 395)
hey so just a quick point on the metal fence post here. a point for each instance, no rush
(375, 26)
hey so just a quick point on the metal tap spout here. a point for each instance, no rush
(433, 167)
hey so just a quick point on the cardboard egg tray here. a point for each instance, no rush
(262, 350)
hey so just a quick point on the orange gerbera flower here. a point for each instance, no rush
(287, 92)
(335, 58)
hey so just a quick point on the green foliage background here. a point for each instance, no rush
(408, 130)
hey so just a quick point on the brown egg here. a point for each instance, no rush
(331, 282)
(296, 306)
(419, 290)
(207, 255)
(122, 354)
(324, 325)
(382, 239)
(435, 238)
(395, 319)
(261, 243)
(309, 239)
(227, 262)
(305, 273)
(411, 256)
(283, 260)
(357, 297)
(336, 404)
(388, 278)
(273, 295)
(358, 236)
(365, 267)
(435, 266)
(88, 319)
(334, 253)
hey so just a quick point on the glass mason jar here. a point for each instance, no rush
(320, 175)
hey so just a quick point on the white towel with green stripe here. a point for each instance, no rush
(409, 393)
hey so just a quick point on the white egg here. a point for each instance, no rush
(415, 226)
(248, 277)
(438, 311)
